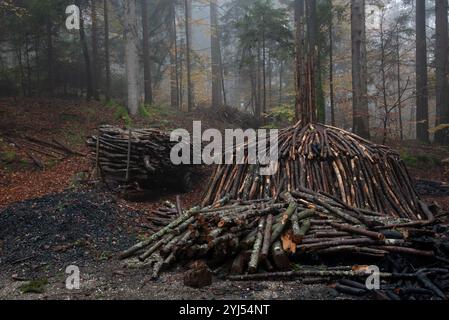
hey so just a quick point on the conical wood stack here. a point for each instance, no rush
(331, 161)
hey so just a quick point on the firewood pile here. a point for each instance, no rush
(263, 239)
(327, 159)
(163, 215)
(137, 155)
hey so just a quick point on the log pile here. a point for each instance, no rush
(137, 155)
(164, 215)
(262, 239)
(330, 160)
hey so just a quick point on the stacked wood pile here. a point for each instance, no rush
(163, 215)
(136, 155)
(330, 160)
(262, 236)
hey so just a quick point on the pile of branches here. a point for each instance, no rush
(134, 155)
(38, 149)
(262, 239)
(163, 215)
(330, 160)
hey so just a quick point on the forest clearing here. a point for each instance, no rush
(59, 191)
(315, 175)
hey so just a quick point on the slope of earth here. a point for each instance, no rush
(71, 122)
(429, 166)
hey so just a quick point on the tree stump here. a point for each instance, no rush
(199, 276)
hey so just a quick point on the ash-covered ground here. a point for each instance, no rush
(40, 238)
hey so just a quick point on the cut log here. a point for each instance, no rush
(255, 254)
(300, 232)
(199, 276)
(280, 258)
(267, 238)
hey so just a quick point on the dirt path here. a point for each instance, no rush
(109, 281)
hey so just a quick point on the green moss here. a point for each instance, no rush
(77, 179)
(284, 112)
(419, 160)
(160, 111)
(142, 237)
(106, 102)
(50, 163)
(162, 124)
(65, 117)
(34, 286)
(296, 267)
(74, 138)
(110, 103)
(104, 256)
(121, 113)
(143, 111)
(8, 156)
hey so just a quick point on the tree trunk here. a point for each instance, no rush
(422, 103)
(223, 84)
(37, 43)
(264, 72)
(281, 79)
(89, 92)
(259, 102)
(270, 82)
(441, 56)
(22, 74)
(95, 61)
(305, 69)
(188, 25)
(359, 70)
(398, 63)
(383, 57)
(106, 51)
(299, 56)
(181, 75)
(28, 64)
(312, 28)
(331, 64)
(50, 75)
(254, 92)
(217, 98)
(148, 91)
(174, 67)
(131, 56)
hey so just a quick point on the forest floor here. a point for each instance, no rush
(48, 220)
